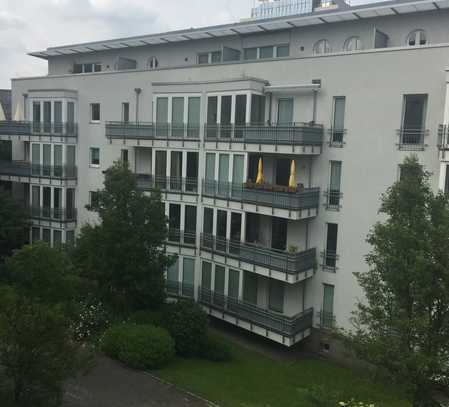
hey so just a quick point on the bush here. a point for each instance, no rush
(147, 317)
(92, 319)
(216, 349)
(187, 323)
(139, 346)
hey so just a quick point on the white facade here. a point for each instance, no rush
(347, 111)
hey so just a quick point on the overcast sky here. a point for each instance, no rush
(34, 25)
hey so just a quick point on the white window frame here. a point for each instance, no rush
(91, 106)
(91, 164)
(322, 47)
(417, 35)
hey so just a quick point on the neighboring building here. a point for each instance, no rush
(328, 103)
(5, 102)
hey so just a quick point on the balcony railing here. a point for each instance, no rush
(291, 263)
(333, 199)
(337, 137)
(305, 198)
(53, 214)
(295, 134)
(181, 238)
(180, 289)
(26, 128)
(152, 131)
(25, 169)
(443, 136)
(169, 184)
(15, 128)
(284, 325)
(330, 258)
(412, 139)
(327, 320)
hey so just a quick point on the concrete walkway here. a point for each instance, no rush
(110, 384)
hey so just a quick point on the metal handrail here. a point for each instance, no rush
(28, 128)
(333, 198)
(306, 198)
(181, 238)
(299, 134)
(327, 319)
(282, 324)
(15, 128)
(330, 258)
(412, 138)
(273, 259)
(150, 130)
(56, 214)
(169, 184)
(27, 169)
(180, 289)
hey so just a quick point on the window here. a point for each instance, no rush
(57, 238)
(153, 63)
(174, 222)
(97, 68)
(213, 57)
(250, 287)
(173, 278)
(266, 52)
(338, 122)
(203, 59)
(233, 283)
(35, 234)
(206, 276)
(322, 47)
(334, 194)
(413, 121)
(95, 112)
(250, 53)
(417, 38)
(46, 235)
(276, 296)
(124, 156)
(219, 285)
(330, 255)
(95, 156)
(125, 112)
(282, 51)
(190, 224)
(188, 277)
(93, 198)
(216, 57)
(327, 313)
(352, 44)
(87, 67)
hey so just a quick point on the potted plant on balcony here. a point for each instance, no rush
(293, 249)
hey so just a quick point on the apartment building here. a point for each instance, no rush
(271, 140)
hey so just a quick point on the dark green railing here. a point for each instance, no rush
(305, 198)
(27, 128)
(148, 131)
(291, 263)
(54, 214)
(281, 324)
(181, 238)
(295, 134)
(179, 289)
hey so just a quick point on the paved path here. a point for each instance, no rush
(110, 384)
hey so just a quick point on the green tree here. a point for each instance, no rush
(124, 253)
(37, 352)
(13, 224)
(403, 325)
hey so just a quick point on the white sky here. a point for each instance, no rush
(34, 25)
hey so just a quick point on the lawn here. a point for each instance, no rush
(252, 379)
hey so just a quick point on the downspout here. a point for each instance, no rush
(138, 92)
(270, 108)
(25, 98)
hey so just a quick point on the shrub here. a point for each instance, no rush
(216, 349)
(92, 318)
(187, 323)
(147, 317)
(139, 346)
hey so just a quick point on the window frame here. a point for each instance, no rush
(92, 120)
(358, 43)
(91, 157)
(413, 35)
(326, 50)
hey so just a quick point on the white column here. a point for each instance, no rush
(184, 164)
(218, 109)
(168, 168)
(446, 104)
(226, 282)
(228, 225)
(248, 108)
(183, 217)
(243, 228)
(241, 285)
(442, 179)
(153, 162)
(214, 224)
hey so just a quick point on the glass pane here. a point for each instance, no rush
(190, 224)
(414, 112)
(193, 120)
(206, 277)
(257, 109)
(208, 221)
(339, 113)
(35, 154)
(240, 114)
(188, 277)
(57, 238)
(173, 272)
(216, 57)
(223, 170)
(46, 235)
(176, 170)
(58, 117)
(283, 51)
(210, 166)
(177, 117)
(335, 179)
(219, 279)
(237, 170)
(35, 197)
(125, 112)
(70, 156)
(174, 217)
(250, 53)
(285, 112)
(233, 284)
(35, 234)
(212, 105)
(250, 288)
(47, 116)
(328, 299)
(266, 52)
(162, 110)
(161, 169)
(276, 297)
(70, 112)
(203, 58)
(36, 112)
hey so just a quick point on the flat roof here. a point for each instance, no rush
(321, 16)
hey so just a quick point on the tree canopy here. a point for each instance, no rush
(403, 324)
(124, 253)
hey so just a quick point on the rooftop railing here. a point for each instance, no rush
(26, 169)
(27, 128)
(284, 325)
(53, 214)
(291, 263)
(149, 131)
(301, 198)
(295, 134)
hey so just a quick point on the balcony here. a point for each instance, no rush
(283, 325)
(284, 262)
(168, 184)
(254, 136)
(40, 129)
(178, 237)
(26, 169)
(298, 200)
(151, 131)
(412, 139)
(53, 214)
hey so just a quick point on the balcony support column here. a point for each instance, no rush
(240, 284)
(315, 97)
(243, 228)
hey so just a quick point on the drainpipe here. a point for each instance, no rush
(315, 96)
(138, 92)
(25, 98)
(270, 108)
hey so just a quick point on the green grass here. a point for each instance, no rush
(254, 380)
